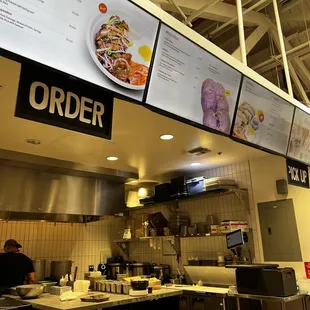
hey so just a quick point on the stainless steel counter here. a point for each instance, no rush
(52, 302)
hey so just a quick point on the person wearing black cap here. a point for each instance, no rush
(15, 267)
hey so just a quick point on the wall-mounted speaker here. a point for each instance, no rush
(282, 186)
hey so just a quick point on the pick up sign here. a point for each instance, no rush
(53, 98)
(297, 173)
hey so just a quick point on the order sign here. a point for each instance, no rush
(108, 42)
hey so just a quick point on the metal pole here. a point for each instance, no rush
(241, 32)
(181, 12)
(251, 8)
(201, 10)
(282, 46)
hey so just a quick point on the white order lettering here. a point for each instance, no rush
(85, 108)
(32, 96)
(69, 103)
(97, 113)
(56, 100)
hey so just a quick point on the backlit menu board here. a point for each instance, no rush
(105, 42)
(189, 82)
(263, 118)
(299, 146)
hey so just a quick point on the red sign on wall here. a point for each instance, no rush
(307, 269)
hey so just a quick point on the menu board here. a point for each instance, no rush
(299, 146)
(191, 83)
(105, 42)
(263, 118)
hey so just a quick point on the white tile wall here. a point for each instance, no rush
(63, 241)
(227, 207)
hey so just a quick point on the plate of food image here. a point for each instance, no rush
(121, 45)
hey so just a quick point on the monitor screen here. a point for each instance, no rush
(234, 239)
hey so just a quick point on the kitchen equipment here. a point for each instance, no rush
(161, 272)
(184, 231)
(39, 266)
(158, 221)
(162, 192)
(139, 285)
(59, 290)
(46, 285)
(75, 273)
(60, 268)
(219, 184)
(94, 280)
(140, 269)
(176, 281)
(108, 286)
(113, 269)
(29, 291)
(195, 185)
(113, 287)
(81, 286)
(153, 232)
(211, 220)
(126, 288)
(101, 268)
(192, 230)
(178, 187)
(262, 280)
(119, 287)
(201, 228)
(177, 219)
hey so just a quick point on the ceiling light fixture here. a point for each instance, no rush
(33, 141)
(195, 164)
(166, 137)
(112, 158)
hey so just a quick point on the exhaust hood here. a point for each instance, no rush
(31, 188)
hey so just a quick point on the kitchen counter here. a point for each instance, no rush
(200, 289)
(52, 302)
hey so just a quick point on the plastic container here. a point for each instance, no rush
(63, 282)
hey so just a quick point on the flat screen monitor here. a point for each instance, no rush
(234, 239)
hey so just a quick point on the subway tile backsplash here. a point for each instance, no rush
(80, 243)
(84, 243)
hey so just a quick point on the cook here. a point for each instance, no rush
(15, 267)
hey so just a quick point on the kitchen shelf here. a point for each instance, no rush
(174, 241)
(240, 193)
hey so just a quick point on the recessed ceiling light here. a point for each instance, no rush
(195, 164)
(112, 158)
(166, 137)
(33, 141)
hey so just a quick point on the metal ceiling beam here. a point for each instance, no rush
(241, 32)
(296, 17)
(197, 13)
(181, 12)
(282, 48)
(298, 65)
(218, 12)
(252, 40)
(246, 11)
(289, 6)
(291, 53)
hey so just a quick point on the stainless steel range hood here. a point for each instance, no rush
(38, 188)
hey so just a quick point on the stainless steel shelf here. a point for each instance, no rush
(216, 193)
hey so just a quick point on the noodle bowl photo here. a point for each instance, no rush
(120, 47)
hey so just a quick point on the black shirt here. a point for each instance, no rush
(13, 269)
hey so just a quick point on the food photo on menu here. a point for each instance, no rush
(215, 106)
(263, 118)
(299, 145)
(109, 43)
(119, 46)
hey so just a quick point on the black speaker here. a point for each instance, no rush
(282, 186)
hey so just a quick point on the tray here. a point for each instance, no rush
(95, 298)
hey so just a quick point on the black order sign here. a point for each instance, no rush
(297, 173)
(48, 97)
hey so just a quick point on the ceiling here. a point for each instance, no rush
(135, 138)
(262, 43)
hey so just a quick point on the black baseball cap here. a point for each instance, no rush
(12, 243)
